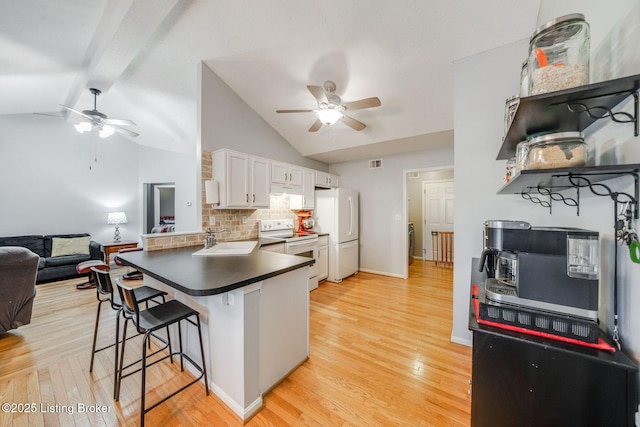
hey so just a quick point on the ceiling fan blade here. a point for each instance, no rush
(119, 122)
(315, 126)
(58, 114)
(293, 111)
(362, 103)
(353, 123)
(124, 131)
(92, 119)
(318, 93)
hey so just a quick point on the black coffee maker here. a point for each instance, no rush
(554, 269)
(493, 238)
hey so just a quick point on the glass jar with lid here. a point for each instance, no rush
(510, 107)
(522, 151)
(559, 55)
(557, 150)
(524, 79)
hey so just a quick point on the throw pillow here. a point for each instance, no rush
(70, 246)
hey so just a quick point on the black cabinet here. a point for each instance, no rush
(524, 380)
(517, 382)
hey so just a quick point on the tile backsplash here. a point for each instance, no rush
(243, 223)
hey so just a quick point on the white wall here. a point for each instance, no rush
(48, 187)
(481, 84)
(167, 166)
(383, 232)
(228, 122)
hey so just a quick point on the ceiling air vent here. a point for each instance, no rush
(375, 164)
(413, 175)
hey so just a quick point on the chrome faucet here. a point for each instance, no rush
(210, 240)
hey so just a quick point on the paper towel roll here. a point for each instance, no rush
(211, 194)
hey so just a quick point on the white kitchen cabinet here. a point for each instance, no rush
(326, 180)
(282, 173)
(243, 180)
(323, 257)
(308, 189)
(260, 171)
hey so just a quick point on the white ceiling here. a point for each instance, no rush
(144, 55)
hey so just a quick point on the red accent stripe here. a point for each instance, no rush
(600, 345)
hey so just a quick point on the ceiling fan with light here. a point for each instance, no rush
(94, 119)
(331, 108)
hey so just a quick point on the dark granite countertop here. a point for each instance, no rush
(211, 275)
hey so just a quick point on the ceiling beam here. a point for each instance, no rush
(125, 28)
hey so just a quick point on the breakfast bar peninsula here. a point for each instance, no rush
(254, 310)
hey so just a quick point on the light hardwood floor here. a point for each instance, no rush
(380, 356)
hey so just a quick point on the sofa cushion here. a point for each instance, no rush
(65, 260)
(70, 246)
(48, 241)
(34, 243)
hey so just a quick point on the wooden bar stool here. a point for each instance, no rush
(148, 321)
(105, 293)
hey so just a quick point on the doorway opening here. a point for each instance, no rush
(159, 207)
(426, 213)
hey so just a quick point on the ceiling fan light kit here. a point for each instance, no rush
(331, 109)
(94, 119)
(329, 115)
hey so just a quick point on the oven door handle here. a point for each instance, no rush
(311, 244)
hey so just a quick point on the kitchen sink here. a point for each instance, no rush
(228, 248)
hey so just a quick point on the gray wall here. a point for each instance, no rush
(48, 187)
(228, 122)
(383, 230)
(481, 84)
(160, 166)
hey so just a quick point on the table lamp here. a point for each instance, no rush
(116, 218)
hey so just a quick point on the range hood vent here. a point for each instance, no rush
(286, 189)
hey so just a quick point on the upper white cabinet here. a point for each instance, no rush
(243, 180)
(260, 171)
(282, 173)
(326, 180)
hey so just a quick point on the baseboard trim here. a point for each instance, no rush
(461, 341)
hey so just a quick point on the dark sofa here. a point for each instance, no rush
(58, 267)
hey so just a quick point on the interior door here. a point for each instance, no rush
(438, 198)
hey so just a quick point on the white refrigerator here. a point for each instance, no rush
(336, 213)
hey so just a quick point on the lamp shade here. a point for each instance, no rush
(116, 218)
(329, 116)
(105, 131)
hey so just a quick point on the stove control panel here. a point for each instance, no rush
(276, 224)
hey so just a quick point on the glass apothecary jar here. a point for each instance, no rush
(557, 150)
(559, 55)
(522, 151)
(524, 79)
(510, 107)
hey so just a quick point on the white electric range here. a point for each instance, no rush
(301, 244)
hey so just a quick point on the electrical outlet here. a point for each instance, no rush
(231, 299)
(212, 220)
(244, 219)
